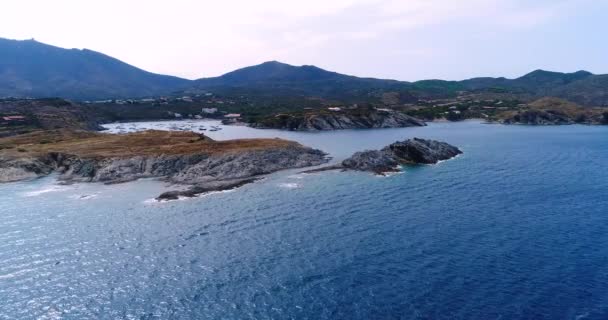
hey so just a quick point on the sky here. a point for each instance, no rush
(396, 39)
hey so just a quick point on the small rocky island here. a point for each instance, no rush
(184, 158)
(388, 159)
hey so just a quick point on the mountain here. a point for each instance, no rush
(275, 78)
(33, 69)
(278, 78)
(273, 71)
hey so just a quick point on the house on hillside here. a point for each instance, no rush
(209, 110)
(186, 99)
(13, 120)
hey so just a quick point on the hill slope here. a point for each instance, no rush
(581, 87)
(33, 69)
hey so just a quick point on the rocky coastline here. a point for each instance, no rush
(338, 120)
(554, 111)
(193, 160)
(553, 118)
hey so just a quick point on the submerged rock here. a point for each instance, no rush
(208, 187)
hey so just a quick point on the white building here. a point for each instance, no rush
(209, 110)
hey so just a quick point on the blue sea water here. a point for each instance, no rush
(516, 228)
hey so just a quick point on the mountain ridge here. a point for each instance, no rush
(29, 68)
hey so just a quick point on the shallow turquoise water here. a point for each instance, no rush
(516, 228)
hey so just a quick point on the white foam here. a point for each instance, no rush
(389, 174)
(289, 185)
(453, 158)
(36, 193)
(151, 201)
(84, 196)
(15, 274)
(297, 176)
(154, 201)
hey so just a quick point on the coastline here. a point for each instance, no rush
(178, 157)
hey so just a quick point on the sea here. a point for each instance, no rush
(515, 228)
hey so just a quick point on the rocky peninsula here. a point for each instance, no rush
(338, 118)
(554, 111)
(184, 158)
(388, 159)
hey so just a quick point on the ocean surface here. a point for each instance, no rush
(516, 228)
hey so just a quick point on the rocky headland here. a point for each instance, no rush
(554, 111)
(336, 119)
(183, 158)
(388, 159)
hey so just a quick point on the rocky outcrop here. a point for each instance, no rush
(180, 158)
(377, 161)
(339, 120)
(554, 111)
(187, 169)
(539, 117)
(553, 118)
(408, 152)
(421, 151)
(23, 169)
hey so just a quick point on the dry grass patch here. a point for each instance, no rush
(88, 144)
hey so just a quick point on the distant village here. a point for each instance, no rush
(210, 106)
(238, 109)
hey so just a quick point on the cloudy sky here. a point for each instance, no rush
(399, 39)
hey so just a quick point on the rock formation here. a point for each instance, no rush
(337, 120)
(408, 152)
(178, 157)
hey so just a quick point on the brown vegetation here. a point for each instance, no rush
(86, 144)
